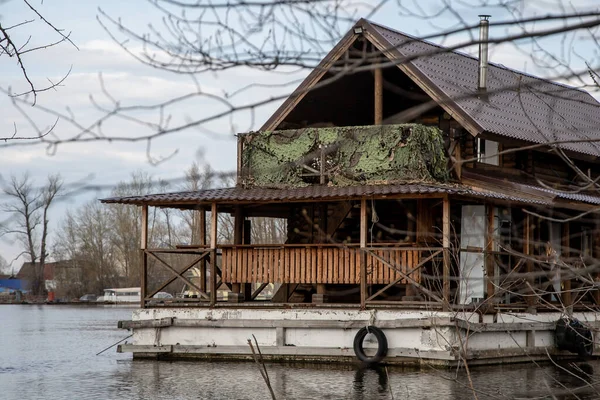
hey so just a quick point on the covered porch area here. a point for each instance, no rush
(360, 246)
(342, 245)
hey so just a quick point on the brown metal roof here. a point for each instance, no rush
(529, 189)
(519, 105)
(261, 195)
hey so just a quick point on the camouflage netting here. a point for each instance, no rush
(353, 155)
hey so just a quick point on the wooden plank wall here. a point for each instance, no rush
(333, 265)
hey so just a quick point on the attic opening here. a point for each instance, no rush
(349, 100)
(487, 151)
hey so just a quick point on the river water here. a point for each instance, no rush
(49, 352)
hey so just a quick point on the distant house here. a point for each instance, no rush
(53, 271)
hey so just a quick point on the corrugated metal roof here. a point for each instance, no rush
(257, 195)
(569, 195)
(519, 106)
(528, 189)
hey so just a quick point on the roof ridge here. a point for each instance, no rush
(497, 65)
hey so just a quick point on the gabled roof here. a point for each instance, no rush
(518, 105)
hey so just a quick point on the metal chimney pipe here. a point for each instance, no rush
(484, 29)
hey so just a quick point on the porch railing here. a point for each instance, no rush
(327, 264)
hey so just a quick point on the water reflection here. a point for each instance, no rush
(49, 352)
(370, 380)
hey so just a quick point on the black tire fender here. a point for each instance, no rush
(585, 343)
(382, 345)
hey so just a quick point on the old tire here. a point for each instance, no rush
(382, 345)
(573, 336)
(585, 343)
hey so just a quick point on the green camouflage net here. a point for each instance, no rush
(351, 156)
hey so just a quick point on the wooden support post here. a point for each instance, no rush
(363, 253)
(378, 96)
(424, 222)
(238, 225)
(528, 250)
(240, 148)
(567, 298)
(213, 254)
(323, 223)
(143, 247)
(321, 288)
(489, 256)
(596, 254)
(238, 234)
(446, 247)
(202, 235)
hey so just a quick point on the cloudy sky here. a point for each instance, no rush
(130, 83)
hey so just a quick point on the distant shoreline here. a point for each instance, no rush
(70, 303)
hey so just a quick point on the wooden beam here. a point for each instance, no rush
(363, 253)
(258, 290)
(202, 227)
(458, 159)
(596, 254)
(489, 256)
(240, 148)
(446, 247)
(238, 225)
(213, 256)
(565, 252)
(143, 246)
(144, 237)
(415, 285)
(183, 271)
(528, 250)
(203, 262)
(311, 80)
(378, 96)
(178, 274)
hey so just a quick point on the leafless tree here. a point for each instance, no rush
(4, 266)
(84, 240)
(29, 208)
(195, 179)
(197, 39)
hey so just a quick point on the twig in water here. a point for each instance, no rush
(389, 384)
(113, 345)
(261, 365)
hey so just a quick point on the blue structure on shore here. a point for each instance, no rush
(11, 284)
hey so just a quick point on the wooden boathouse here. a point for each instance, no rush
(451, 204)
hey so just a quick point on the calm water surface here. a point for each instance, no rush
(48, 352)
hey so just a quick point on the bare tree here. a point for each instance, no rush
(14, 43)
(281, 37)
(29, 208)
(4, 266)
(195, 179)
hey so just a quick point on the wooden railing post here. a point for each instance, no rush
(528, 250)
(143, 247)
(489, 256)
(203, 243)
(565, 252)
(213, 254)
(446, 247)
(595, 252)
(363, 253)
